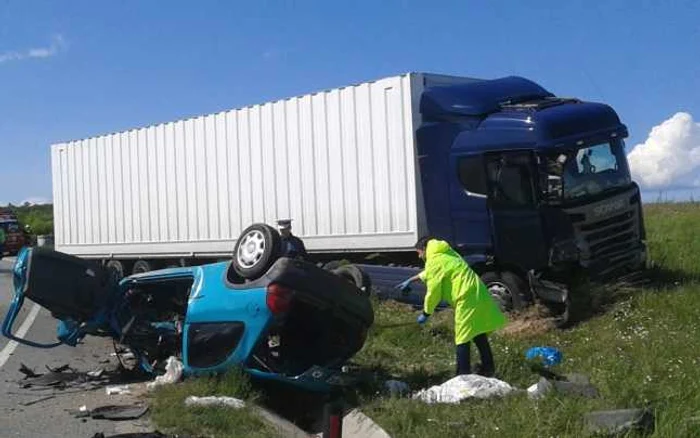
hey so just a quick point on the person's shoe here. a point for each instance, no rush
(484, 372)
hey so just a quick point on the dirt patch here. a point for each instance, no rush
(534, 321)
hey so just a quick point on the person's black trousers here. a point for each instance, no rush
(487, 367)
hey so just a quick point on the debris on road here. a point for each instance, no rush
(28, 372)
(217, 401)
(96, 374)
(464, 387)
(58, 369)
(112, 412)
(118, 390)
(38, 400)
(173, 373)
(619, 421)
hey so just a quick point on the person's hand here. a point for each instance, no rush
(404, 285)
(422, 318)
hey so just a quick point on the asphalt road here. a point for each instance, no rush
(49, 418)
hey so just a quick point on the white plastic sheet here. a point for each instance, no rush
(464, 387)
(219, 401)
(173, 373)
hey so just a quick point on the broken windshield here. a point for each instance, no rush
(587, 171)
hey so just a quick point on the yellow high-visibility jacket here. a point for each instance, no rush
(449, 278)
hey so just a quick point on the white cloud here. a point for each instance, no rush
(670, 157)
(58, 44)
(36, 201)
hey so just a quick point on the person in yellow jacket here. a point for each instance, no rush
(449, 278)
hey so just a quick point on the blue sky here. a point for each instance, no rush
(74, 69)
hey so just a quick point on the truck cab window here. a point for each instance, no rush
(511, 181)
(470, 171)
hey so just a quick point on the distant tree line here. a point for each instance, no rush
(38, 217)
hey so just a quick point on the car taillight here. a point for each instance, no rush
(279, 298)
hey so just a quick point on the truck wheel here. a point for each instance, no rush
(257, 248)
(357, 277)
(141, 266)
(335, 264)
(115, 268)
(508, 289)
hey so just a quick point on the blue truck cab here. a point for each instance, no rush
(531, 188)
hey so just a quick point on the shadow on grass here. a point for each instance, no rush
(594, 298)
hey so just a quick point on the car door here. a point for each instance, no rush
(516, 221)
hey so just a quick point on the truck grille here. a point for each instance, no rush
(609, 243)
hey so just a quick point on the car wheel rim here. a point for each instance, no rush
(502, 294)
(251, 249)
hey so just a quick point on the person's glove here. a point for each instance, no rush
(422, 318)
(404, 286)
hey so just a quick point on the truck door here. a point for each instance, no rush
(516, 222)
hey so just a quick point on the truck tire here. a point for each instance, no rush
(335, 264)
(508, 289)
(257, 248)
(141, 266)
(356, 276)
(115, 269)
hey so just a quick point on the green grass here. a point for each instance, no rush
(169, 412)
(640, 348)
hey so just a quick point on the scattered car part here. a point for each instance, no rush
(112, 412)
(38, 400)
(28, 372)
(621, 421)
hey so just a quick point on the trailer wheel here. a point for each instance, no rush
(141, 266)
(355, 276)
(115, 269)
(256, 250)
(508, 289)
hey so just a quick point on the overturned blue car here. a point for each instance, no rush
(277, 318)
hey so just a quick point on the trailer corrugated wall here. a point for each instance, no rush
(340, 163)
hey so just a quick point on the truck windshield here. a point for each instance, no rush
(587, 171)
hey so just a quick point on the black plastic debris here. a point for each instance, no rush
(58, 369)
(37, 400)
(28, 372)
(619, 421)
(113, 412)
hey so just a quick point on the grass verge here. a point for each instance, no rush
(168, 410)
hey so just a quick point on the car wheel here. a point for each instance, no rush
(508, 289)
(256, 250)
(115, 268)
(141, 266)
(356, 276)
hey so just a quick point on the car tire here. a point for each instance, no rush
(115, 268)
(356, 276)
(142, 266)
(257, 248)
(508, 289)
